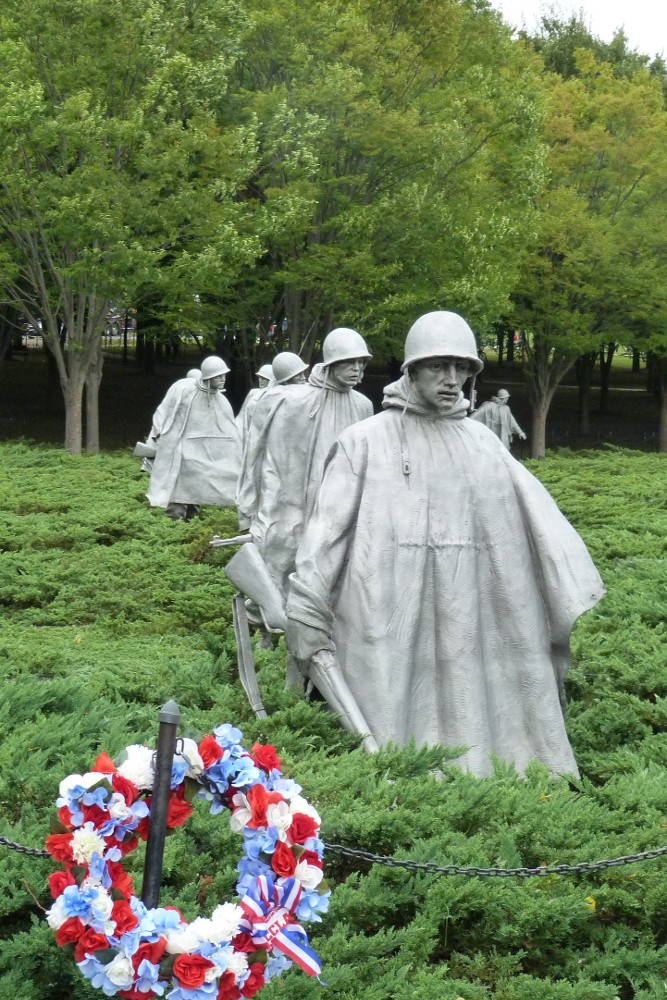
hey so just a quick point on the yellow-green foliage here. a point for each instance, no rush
(108, 609)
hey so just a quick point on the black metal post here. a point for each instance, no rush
(169, 717)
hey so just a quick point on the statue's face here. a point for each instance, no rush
(346, 374)
(297, 379)
(437, 382)
(262, 382)
(216, 383)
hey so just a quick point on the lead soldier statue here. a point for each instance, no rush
(436, 576)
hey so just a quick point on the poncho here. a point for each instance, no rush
(198, 451)
(498, 417)
(244, 416)
(449, 582)
(292, 429)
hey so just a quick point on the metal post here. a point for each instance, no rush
(169, 717)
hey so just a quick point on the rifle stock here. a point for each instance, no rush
(326, 675)
(249, 574)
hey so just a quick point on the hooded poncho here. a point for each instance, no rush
(244, 416)
(199, 448)
(449, 583)
(496, 415)
(292, 429)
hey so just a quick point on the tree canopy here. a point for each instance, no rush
(223, 165)
(114, 168)
(599, 252)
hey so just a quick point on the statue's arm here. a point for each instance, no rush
(515, 429)
(254, 448)
(322, 555)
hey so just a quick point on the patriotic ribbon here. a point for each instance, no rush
(269, 909)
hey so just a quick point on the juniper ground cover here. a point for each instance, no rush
(107, 609)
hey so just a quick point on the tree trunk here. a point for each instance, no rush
(606, 358)
(538, 428)
(510, 346)
(653, 381)
(546, 371)
(584, 367)
(293, 313)
(500, 340)
(93, 379)
(636, 361)
(73, 396)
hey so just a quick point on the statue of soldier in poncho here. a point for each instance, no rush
(292, 430)
(496, 414)
(439, 576)
(159, 418)
(244, 417)
(198, 447)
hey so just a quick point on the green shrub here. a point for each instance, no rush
(109, 609)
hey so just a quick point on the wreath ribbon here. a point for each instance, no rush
(269, 909)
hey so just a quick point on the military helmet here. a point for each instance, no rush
(502, 394)
(343, 344)
(210, 367)
(285, 366)
(193, 373)
(441, 335)
(266, 371)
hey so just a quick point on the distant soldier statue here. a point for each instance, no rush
(436, 582)
(198, 447)
(156, 427)
(264, 379)
(496, 415)
(292, 430)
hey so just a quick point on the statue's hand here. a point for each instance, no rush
(303, 641)
(522, 436)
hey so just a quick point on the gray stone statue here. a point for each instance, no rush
(439, 576)
(264, 376)
(158, 419)
(288, 369)
(496, 415)
(292, 430)
(198, 447)
(244, 416)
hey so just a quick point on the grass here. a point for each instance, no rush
(109, 609)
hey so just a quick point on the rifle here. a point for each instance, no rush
(327, 677)
(248, 572)
(217, 541)
(142, 450)
(246, 663)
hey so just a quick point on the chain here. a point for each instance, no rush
(431, 866)
(24, 850)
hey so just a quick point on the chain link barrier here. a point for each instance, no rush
(435, 869)
(32, 851)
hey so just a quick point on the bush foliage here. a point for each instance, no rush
(109, 609)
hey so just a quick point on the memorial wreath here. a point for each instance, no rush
(128, 950)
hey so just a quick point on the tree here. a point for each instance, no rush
(115, 176)
(397, 158)
(606, 137)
